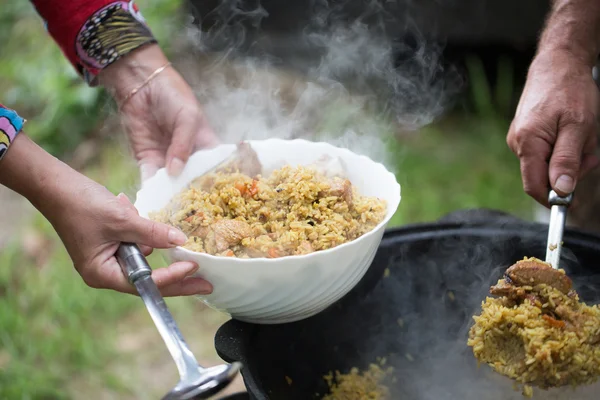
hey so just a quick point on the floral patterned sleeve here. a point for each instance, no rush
(94, 33)
(10, 125)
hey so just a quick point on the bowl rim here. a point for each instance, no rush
(291, 258)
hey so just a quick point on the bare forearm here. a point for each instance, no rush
(573, 27)
(36, 175)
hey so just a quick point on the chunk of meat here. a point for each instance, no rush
(259, 246)
(533, 272)
(305, 247)
(244, 160)
(504, 288)
(201, 232)
(569, 314)
(228, 232)
(204, 182)
(340, 188)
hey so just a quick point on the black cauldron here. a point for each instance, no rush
(414, 307)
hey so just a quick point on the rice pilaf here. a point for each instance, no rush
(538, 333)
(360, 385)
(295, 210)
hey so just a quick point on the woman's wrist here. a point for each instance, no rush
(132, 70)
(95, 34)
(36, 175)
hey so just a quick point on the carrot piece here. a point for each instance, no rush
(254, 187)
(272, 253)
(553, 322)
(241, 187)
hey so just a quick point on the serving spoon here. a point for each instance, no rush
(556, 228)
(196, 382)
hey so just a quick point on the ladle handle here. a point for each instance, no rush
(132, 262)
(558, 218)
(138, 272)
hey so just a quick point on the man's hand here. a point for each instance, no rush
(164, 120)
(555, 126)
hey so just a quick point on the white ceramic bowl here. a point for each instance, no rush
(286, 289)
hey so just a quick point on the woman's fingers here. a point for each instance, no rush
(174, 273)
(187, 287)
(146, 250)
(174, 280)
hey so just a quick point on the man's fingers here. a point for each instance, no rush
(534, 172)
(566, 159)
(533, 151)
(530, 141)
(589, 162)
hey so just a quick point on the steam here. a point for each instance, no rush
(345, 82)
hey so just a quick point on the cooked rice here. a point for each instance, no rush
(527, 341)
(356, 385)
(295, 210)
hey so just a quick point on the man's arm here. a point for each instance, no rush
(573, 26)
(556, 123)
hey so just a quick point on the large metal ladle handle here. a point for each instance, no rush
(558, 218)
(138, 272)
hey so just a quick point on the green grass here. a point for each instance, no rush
(457, 165)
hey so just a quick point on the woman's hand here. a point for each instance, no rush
(164, 120)
(92, 222)
(94, 225)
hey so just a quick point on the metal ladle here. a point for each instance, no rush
(556, 228)
(196, 382)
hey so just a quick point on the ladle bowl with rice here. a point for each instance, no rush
(282, 232)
